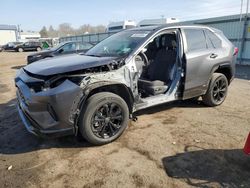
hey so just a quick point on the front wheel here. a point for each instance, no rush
(217, 90)
(104, 118)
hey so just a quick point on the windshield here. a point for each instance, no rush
(57, 46)
(119, 44)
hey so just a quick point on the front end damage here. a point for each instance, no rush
(50, 106)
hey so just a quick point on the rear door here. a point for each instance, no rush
(34, 45)
(201, 57)
(26, 46)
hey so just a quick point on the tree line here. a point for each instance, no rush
(65, 29)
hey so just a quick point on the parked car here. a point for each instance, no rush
(10, 46)
(96, 94)
(247, 145)
(28, 46)
(62, 49)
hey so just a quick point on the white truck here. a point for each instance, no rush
(121, 25)
(155, 22)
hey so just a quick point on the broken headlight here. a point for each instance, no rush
(56, 81)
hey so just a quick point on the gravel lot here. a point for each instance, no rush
(183, 144)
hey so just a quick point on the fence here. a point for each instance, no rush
(92, 38)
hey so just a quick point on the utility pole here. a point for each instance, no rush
(18, 32)
(244, 33)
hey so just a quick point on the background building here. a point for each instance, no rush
(29, 36)
(8, 33)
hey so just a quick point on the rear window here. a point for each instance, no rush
(195, 39)
(216, 42)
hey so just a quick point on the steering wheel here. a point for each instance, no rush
(144, 58)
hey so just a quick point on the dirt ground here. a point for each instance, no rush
(183, 144)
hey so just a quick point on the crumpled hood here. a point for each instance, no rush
(69, 63)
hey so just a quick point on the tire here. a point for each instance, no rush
(38, 49)
(97, 123)
(217, 90)
(20, 49)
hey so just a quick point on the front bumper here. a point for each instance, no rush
(29, 125)
(48, 113)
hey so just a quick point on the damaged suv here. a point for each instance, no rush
(95, 94)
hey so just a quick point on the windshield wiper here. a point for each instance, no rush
(93, 55)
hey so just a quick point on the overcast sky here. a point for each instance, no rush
(33, 14)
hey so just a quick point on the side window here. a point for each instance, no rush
(214, 39)
(69, 47)
(195, 39)
(84, 46)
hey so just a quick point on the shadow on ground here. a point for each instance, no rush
(18, 67)
(15, 139)
(228, 168)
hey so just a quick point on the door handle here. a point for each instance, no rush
(213, 55)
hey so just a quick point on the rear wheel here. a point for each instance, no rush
(217, 90)
(104, 118)
(20, 49)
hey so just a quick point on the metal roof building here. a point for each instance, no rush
(8, 33)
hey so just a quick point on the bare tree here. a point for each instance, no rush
(65, 29)
(44, 32)
(52, 32)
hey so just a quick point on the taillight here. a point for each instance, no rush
(236, 50)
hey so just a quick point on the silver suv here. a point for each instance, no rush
(96, 94)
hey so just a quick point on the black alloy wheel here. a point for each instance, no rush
(104, 118)
(107, 120)
(217, 90)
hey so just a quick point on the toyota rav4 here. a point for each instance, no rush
(96, 94)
